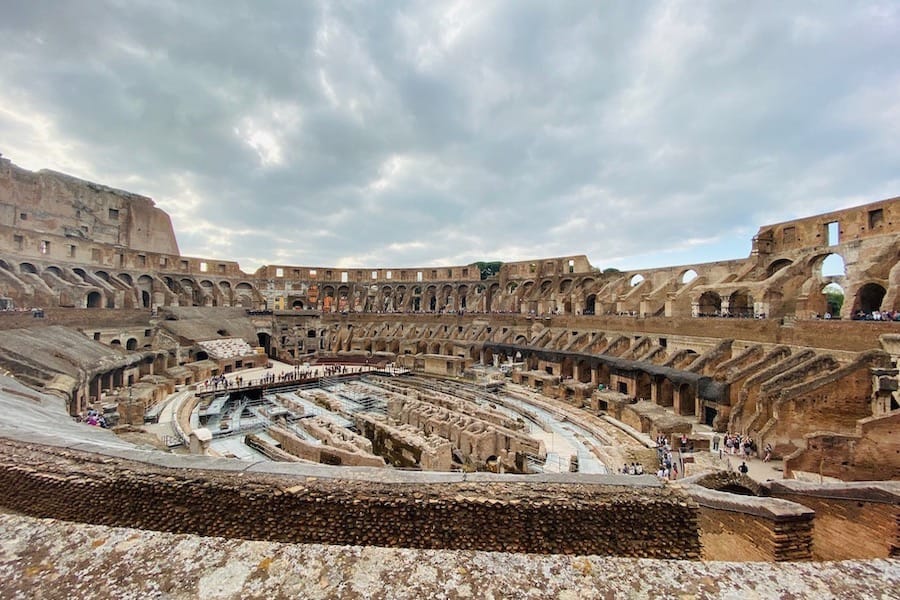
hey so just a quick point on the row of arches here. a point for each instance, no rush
(578, 295)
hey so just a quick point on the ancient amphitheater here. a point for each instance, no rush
(314, 431)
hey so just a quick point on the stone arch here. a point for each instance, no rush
(131, 344)
(832, 265)
(740, 304)
(492, 296)
(297, 305)
(565, 286)
(102, 275)
(777, 265)
(5, 265)
(687, 276)
(55, 270)
(80, 272)
(590, 305)
(446, 296)
(27, 267)
(869, 298)
(462, 293)
(833, 298)
(126, 278)
(710, 304)
(94, 300)
(244, 295)
(636, 280)
(208, 297)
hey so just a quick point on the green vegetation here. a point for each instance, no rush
(834, 298)
(488, 269)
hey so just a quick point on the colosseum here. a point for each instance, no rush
(175, 427)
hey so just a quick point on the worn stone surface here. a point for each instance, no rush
(497, 515)
(53, 559)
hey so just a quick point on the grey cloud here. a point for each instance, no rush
(408, 133)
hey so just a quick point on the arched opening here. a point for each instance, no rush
(94, 300)
(636, 280)
(126, 278)
(27, 268)
(145, 298)
(777, 265)
(131, 344)
(834, 300)
(741, 304)
(688, 276)
(869, 299)
(590, 304)
(297, 304)
(102, 275)
(55, 270)
(201, 355)
(710, 304)
(115, 343)
(833, 266)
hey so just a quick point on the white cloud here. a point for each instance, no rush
(418, 134)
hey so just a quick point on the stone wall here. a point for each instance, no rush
(873, 452)
(322, 453)
(748, 528)
(517, 514)
(853, 520)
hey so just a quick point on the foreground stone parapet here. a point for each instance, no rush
(515, 514)
(54, 559)
(739, 527)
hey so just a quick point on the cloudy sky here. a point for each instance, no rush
(404, 134)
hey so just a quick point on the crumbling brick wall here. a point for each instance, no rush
(513, 515)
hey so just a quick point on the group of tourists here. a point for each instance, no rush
(634, 468)
(877, 315)
(93, 418)
(736, 445)
(668, 466)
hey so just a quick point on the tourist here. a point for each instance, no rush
(743, 468)
(768, 453)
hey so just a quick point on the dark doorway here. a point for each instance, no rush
(94, 300)
(265, 340)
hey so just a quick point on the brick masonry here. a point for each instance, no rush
(514, 516)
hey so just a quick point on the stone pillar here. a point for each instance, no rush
(200, 439)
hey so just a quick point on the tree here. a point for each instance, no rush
(834, 298)
(488, 269)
